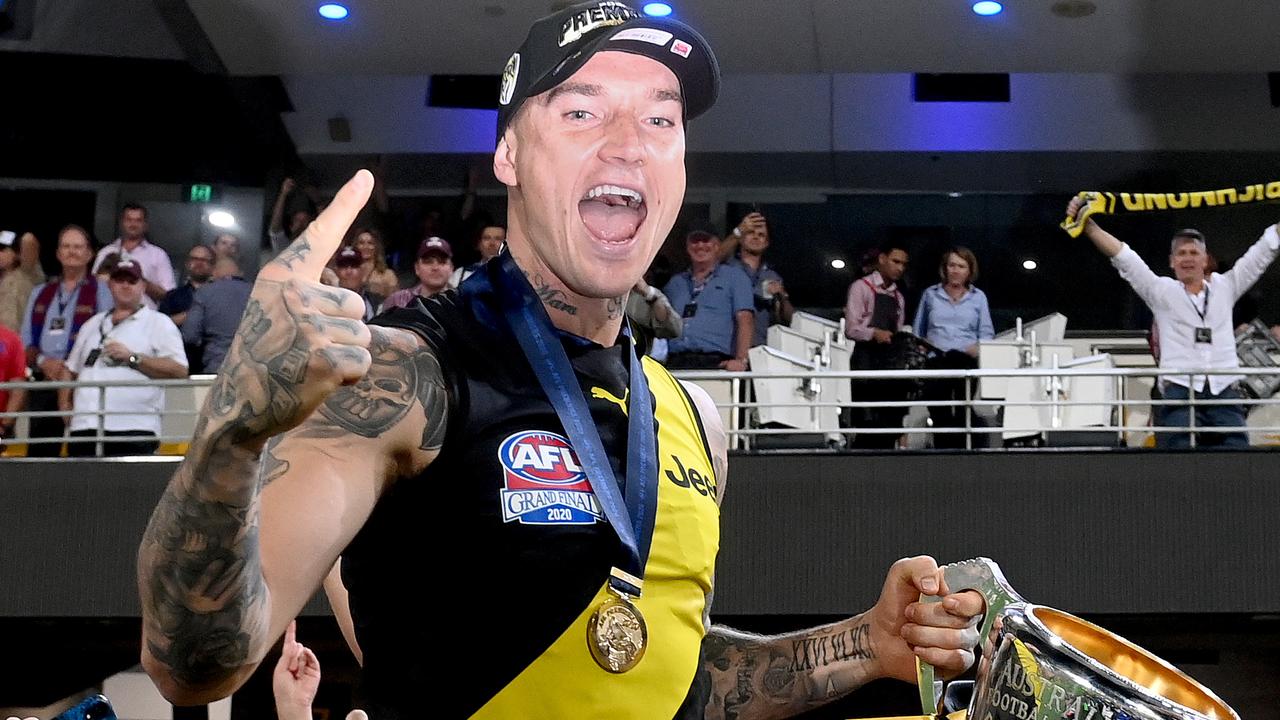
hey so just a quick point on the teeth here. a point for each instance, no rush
(628, 193)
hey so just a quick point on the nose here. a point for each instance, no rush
(622, 141)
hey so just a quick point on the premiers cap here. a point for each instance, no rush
(127, 268)
(435, 246)
(561, 43)
(348, 257)
(7, 239)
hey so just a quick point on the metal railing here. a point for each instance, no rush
(984, 415)
(820, 400)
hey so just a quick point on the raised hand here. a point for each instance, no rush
(298, 340)
(296, 678)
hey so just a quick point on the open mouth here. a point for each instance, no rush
(612, 213)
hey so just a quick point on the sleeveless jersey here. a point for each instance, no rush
(471, 584)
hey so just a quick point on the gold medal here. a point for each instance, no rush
(617, 635)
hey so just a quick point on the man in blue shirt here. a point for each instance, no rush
(55, 312)
(215, 313)
(772, 304)
(716, 303)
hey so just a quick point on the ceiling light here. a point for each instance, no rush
(222, 219)
(987, 7)
(838, 264)
(657, 9)
(955, 194)
(1030, 264)
(334, 11)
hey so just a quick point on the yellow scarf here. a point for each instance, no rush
(1104, 203)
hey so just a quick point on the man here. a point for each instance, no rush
(348, 264)
(177, 302)
(449, 415)
(215, 313)
(488, 243)
(20, 272)
(1193, 312)
(433, 268)
(133, 244)
(128, 342)
(715, 302)
(55, 313)
(874, 311)
(772, 303)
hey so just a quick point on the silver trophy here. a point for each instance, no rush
(1044, 664)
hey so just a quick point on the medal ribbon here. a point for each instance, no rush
(1104, 203)
(632, 515)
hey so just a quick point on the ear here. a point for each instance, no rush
(504, 159)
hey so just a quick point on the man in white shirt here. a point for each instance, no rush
(1193, 313)
(133, 243)
(129, 342)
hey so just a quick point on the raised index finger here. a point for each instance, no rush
(306, 257)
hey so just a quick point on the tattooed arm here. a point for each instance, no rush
(755, 676)
(243, 535)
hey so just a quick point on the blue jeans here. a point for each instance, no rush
(1207, 416)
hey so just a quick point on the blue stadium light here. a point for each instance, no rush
(657, 9)
(334, 11)
(987, 7)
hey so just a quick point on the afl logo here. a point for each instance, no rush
(543, 482)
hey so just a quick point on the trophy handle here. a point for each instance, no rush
(980, 574)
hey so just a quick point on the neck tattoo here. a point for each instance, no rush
(551, 297)
(617, 306)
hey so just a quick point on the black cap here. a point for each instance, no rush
(561, 43)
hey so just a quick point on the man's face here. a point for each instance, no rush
(756, 240)
(350, 277)
(490, 242)
(703, 249)
(199, 264)
(133, 224)
(73, 250)
(433, 272)
(596, 173)
(126, 291)
(8, 258)
(892, 265)
(1188, 261)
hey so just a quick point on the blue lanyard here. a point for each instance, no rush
(632, 516)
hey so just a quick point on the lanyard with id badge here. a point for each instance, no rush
(103, 333)
(1204, 334)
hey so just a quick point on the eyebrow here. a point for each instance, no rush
(575, 88)
(593, 90)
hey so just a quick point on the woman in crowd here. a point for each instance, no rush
(953, 316)
(378, 278)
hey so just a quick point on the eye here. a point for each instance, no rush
(578, 115)
(661, 122)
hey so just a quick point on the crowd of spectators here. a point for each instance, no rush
(83, 324)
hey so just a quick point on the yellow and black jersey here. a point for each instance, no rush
(472, 583)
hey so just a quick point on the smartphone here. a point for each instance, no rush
(97, 707)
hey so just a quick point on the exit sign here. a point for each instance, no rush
(199, 193)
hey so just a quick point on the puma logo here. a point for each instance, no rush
(603, 394)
